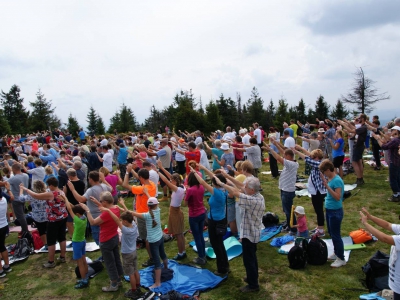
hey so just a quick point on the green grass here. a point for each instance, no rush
(29, 280)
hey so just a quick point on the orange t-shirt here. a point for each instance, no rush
(141, 198)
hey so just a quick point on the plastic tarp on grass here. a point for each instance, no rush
(269, 232)
(90, 247)
(187, 279)
(304, 192)
(232, 245)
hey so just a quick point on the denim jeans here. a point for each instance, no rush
(287, 202)
(112, 260)
(19, 210)
(157, 251)
(250, 262)
(394, 178)
(197, 226)
(217, 243)
(95, 233)
(334, 219)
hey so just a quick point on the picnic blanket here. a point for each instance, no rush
(269, 232)
(346, 241)
(14, 229)
(232, 245)
(90, 247)
(187, 279)
(304, 192)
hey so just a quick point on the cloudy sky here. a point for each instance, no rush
(105, 53)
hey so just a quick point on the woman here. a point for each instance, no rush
(39, 209)
(393, 240)
(3, 232)
(334, 210)
(176, 225)
(113, 180)
(217, 215)
(197, 216)
(315, 186)
(273, 164)
(109, 239)
(49, 173)
(57, 219)
(238, 144)
(338, 152)
(227, 159)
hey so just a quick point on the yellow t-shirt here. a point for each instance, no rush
(295, 128)
(240, 178)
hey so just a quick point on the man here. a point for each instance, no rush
(198, 139)
(107, 158)
(153, 175)
(359, 146)
(253, 154)
(294, 127)
(290, 130)
(141, 203)
(146, 141)
(82, 134)
(253, 205)
(104, 141)
(97, 185)
(215, 151)
(122, 158)
(229, 135)
(192, 154)
(289, 141)
(245, 139)
(329, 135)
(287, 181)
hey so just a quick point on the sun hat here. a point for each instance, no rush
(181, 140)
(300, 210)
(225, 146)
(152, 201)
(396, 128)
(321, 130)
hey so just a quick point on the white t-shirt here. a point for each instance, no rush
(177, 197)
(153, 177)
(204, 160)
(287, 180)
(3, 212)
(394, 261)
(257, 132)
(107, 161)
(37, 173)
(104, 142)
(229, 136)
(198, 140)
(289, 143)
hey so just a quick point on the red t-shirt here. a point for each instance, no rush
(108, 229)
(238, 154)
(195, 155)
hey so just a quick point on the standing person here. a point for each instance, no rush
(107, 158)
(253, 206)
(227, 159)
(238, 144)
(217, 151)
(338, 152)
(197, 215)
(122, 158)
(3, 232)
(176, 224)
(334, 210)
(113, 180)
(57, 215)
(393, 241)
(108, 239)
(315, 186)
(259, 137)
(180, 159)
(192, 154)
(129, 236)
(273, 164)
(287, 182)
(302, 229)
(330, 135)
(375, 145)
(253, 155)
(203, 158)
(216, 216)
(294, 127)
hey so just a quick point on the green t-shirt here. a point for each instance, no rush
(79, 229)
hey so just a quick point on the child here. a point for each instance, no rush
(301, 226)
(78, 241)
(130, 234)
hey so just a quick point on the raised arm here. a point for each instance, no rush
(232, 190)
(379, 234)
(113, 216)
(39, 196)
(274, 154)
(125, 184)
(208, 187)
(78, 197)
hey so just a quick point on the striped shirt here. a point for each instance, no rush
(287, 180)
(253, 207)
(315, 177)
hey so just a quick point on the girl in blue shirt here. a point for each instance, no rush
(338, 152)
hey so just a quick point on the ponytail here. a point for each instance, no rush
(152, 214)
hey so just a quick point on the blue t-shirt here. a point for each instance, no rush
(128, 239)
(217, 205)
(218, 152)
(122, 156)
(229, 159)
(82, 135)
(291, 131)
(339, 151)
(154, 234)
(31, 165)
(330, 202)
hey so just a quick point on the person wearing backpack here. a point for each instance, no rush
(393, 240)
(3, 232)
(333, 209)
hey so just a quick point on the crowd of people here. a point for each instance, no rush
(71, 180)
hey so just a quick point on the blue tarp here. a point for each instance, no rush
(269, 232)
(187, 279)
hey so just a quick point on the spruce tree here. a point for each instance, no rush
(42, 116)
(92, 121)
(14, 110)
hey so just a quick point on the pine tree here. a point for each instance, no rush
(213, 118)
(92, 121)
(241, 117)
(255, 107)
(72, 125)
(270, 115)
(123, 121)
(42, 116)
(101, 129)
(321, 108)
(4, 126)
(301, 111)
(281, 115)
(339, 112)
(14, 110)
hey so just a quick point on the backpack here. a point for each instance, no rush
(360, 236)
(37, 241)
(377, 272)
(22, 249)
(297, 255)
(270, 219)
(26, 235)
(94, 268)
(317, 251)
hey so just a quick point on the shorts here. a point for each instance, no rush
(129, 263)
(162, 183)
(303, 234)
(338, 161)
(41, 227)
(181, 167)
(79, 249)
(231, 212)
(142, 228)
(56, 232)
(357, 153)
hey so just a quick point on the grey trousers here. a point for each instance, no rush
(19, 210)
(112, 260)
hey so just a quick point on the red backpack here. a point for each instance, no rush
(37, 241)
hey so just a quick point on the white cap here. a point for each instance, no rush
(152, 201)
(396, 128)
(225, 146)
(300, 210)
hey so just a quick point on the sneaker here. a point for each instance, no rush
(133, 294)
(148, 263)
(360, 182)
(319, 233)
(82, 284)
(314, 230)
(110, 288)
(248, 289)
(180, 257)
(119, 282)
(45, 247)
(7, 269)
(332, 257)
(61, 259)
(165, 198)
(2, 274)
(49, 265)
(200, 261)
(285, 229)
(338, 263)
(69, 245)
(394, 198)
(221, 274)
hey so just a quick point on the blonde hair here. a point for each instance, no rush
(104, 170)
(39, 186)
(48, 170)
(317, 153)
(238, 165)
(107, 197)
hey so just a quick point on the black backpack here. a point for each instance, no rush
(22, 249)
(377, 272)
(28, 236)
(317, 251)
(270, 219)
(297, 255)
(93, 269)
